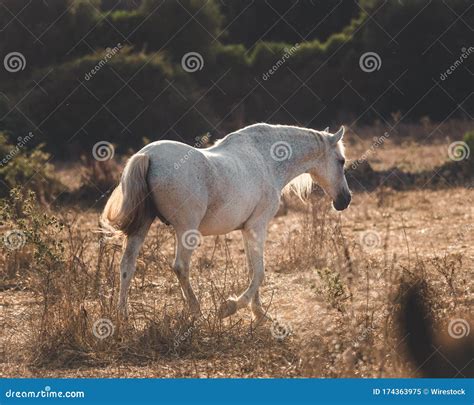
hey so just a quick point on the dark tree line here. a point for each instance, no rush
(142, 91)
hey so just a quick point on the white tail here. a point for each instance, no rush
(130, 202)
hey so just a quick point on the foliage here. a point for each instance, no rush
(38, 251)
(46, 33)
(131, 96)
(285, 21)
(333, 288)
(469, 140)
(144, 91)
(28, 169)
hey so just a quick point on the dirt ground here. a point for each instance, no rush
(333, 308)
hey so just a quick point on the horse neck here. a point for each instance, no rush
(306, 148)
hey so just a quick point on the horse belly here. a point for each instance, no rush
(213, 225)
(223, 220)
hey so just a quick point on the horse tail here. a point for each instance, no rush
(130, 203)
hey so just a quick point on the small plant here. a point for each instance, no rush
(333, 288)
(469, 140)
(30, 239)
(448, 265)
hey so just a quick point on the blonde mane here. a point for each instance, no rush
(300, 186)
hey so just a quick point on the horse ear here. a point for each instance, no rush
(338, 135)
(326, 129)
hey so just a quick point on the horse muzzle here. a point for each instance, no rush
(342, 201)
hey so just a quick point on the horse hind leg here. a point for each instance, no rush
(186, 242)
(128, 261)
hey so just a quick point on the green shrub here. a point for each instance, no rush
(45, 32)
(162, 25)
(250, 21)
(129, 97)
(29, 170)
(469, 140)
(30, 239)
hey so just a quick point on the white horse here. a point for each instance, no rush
(234, 185)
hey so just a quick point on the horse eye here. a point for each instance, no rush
(342, 161)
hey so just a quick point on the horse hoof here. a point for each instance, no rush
(228, 308)
(260, 318)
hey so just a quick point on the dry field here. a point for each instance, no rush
(332, 282)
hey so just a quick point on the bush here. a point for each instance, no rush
(46, 32)
(469, 140)
(158, 25)
(33, 248)
(28, 170)
(129, 97)
(261, 21)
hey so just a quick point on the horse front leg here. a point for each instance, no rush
(258, 312)
(254, 241)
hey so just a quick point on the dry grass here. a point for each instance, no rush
(332, 279)
(409, 147)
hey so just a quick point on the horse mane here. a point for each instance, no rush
(301, 186)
